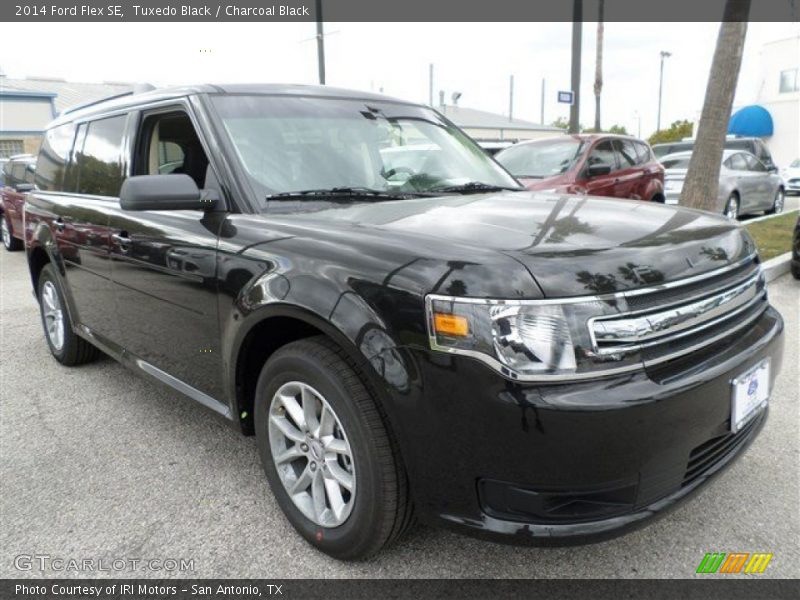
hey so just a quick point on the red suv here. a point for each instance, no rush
(18, 175)
(594, 164)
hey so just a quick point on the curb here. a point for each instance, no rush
(775, 267)
(747, 221)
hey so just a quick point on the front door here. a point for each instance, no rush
(164, 266)
(602, 185)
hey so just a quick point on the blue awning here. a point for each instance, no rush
(752, 121)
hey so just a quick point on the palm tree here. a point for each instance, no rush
(702, 179)
(598, 67)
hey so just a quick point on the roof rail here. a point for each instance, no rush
(136, 89)
(72, 109)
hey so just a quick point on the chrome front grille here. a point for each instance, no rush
(676, 321)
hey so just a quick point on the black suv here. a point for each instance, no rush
(404, 329)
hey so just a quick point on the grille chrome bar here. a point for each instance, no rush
(641, 329)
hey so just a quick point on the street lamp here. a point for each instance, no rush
(664, 54)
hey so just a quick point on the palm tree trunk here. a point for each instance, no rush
(598, 68)
(702, 179)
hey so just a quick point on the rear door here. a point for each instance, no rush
(91, 182)
(761, 181)
(602, 153)
(164, 264)
(629, 177)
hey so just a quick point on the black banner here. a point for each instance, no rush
(731, 587)
(390, 10)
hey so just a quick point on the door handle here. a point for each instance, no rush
(60, 225)
(123, 240)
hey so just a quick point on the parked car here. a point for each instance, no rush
(745, 184)
(594, 164)
(18, 175)
(753, 145)
(796, 250)
(791, 177)
(427, 339)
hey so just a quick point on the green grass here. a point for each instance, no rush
(773, 236)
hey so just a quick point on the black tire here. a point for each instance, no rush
(795, 269)
(733, 199)
(74, 350)
(10, 243)
(382, 509)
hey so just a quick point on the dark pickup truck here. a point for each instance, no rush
(406, 331)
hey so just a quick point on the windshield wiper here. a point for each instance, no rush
(341, 193)
(475, 186)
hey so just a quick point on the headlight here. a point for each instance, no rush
(528, 340)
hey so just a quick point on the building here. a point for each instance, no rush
(484, 126)
(779, 94)
(28, 105)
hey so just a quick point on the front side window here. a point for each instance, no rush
(753, 164)
(99, 162)
(626, 153)
(541, 159)
(54, 157)
(603, 154)
(292, 144)
(642, 153)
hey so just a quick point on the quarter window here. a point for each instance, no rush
(99, 163)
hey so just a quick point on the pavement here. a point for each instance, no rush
(97, 463)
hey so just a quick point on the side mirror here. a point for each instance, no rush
(23, 188)
(598, 169)
(163, 192)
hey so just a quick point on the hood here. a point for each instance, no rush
(571, 245)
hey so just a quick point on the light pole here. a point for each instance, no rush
(575, 109)
(664, 54)
(320, 44)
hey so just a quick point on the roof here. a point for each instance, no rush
(471, 118)
(687, 153)
(64, 93)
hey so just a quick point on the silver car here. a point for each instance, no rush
(745, 184)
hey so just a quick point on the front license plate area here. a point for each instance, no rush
(750, 392)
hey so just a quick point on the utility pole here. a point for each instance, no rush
(511, 98)
(664, 54)
(541, 116)
(320, 44)
(430, 84)
(598, 67)
(577, 24)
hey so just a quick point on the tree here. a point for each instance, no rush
(674, 133)
(620, 129)
(561, 123)
(702, 178)
(598, 66)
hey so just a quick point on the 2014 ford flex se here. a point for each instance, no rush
(405, 330)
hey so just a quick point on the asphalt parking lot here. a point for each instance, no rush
(97, 463)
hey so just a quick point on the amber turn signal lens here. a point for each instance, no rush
(450, 324)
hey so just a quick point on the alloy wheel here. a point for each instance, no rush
(311, 453)
(732, 208)
(53, 315)
(777, 206)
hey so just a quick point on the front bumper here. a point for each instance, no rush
(573, 462)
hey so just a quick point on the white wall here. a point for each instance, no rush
(784, 107)
(24, 115)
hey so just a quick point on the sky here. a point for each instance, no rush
(475, 59)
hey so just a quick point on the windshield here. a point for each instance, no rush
(294, 144)
(541, 159)
(795, 164)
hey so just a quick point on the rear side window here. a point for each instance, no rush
(53, 158)
(642, 153)
(99, 162)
